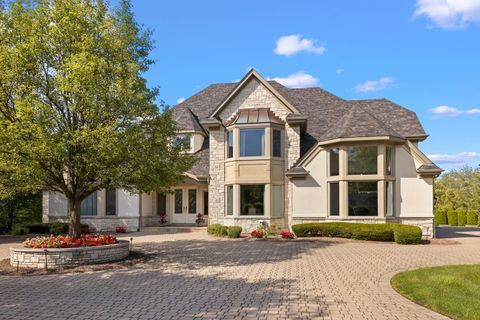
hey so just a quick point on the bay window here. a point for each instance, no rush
(363, 198)
(252, 142)
(252, 200)
(334, 161)
(362, 160)
(229, 144)
(389, 199)
(389, 161)
(334, 195)
(276, 143)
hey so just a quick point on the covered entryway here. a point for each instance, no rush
(185, 203)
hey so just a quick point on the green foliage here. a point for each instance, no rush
(403, 234)
(223, 231)
(220, 230)
(462, 217)
(441, 217)
(234, 232)
(214, 229)
(75, 111)
(452, 218)
(458, 189)
(472, 218)
(20, 210)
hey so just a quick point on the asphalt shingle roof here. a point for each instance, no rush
(329, 116)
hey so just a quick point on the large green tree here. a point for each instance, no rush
(76, 114)
(458, 189)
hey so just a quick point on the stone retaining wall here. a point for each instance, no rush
(35, 258)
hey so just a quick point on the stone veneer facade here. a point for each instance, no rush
(253, 95)
(55, 258)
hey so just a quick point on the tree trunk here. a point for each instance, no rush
(74, 217)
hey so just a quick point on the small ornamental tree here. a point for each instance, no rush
(76, 114)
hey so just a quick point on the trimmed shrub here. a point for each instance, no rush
(405, 234)
(223, 231)
(39, 227)
(373, 232)
(452, 218)
(234, 232)
(19, 230)
(214, 229)
(57, 228)
(472, 218)
(440, 217)
(462, 217)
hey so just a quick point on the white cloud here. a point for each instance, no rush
(300, 79)
(374, 85)
(293, 44)
(452, 112)
(456, 159)
(449, 14)
(446, 111)
(339, 71)
(180, 100)
(473, 111)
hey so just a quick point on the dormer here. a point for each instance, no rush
(190, 131)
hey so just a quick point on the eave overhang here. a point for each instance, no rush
(362, 139)
(296, 173)
(211, 123)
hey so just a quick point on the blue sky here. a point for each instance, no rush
(421, 54)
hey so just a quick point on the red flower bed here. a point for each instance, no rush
(287, 235)
(68, 242)
(120, 229)
(257, 234)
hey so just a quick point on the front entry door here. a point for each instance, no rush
(185, 205)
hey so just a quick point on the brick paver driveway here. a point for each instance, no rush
(194, 276)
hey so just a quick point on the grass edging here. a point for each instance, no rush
(444, 289)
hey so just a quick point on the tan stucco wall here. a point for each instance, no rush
(310, 195)
(414, 195)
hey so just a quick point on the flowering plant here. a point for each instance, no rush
(287, 235)
(200, 220)
(163, 218)
(120, 229)
(257, 234)
(68, 242)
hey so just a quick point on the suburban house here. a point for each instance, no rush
(271, 153)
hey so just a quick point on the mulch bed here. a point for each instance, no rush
(135, 257)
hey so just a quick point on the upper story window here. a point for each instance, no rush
(276, 143)
(362, 160)
(229, 144)
(334, 161)
(252, 142)
(389, 162)
(182, 140)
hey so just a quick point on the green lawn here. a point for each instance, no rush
(452, 290)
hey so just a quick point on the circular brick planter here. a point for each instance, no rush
(54, 258)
